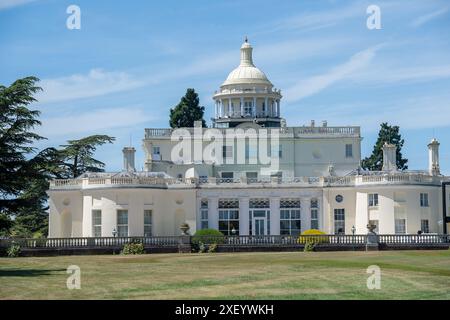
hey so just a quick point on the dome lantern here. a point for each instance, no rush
(247, 96)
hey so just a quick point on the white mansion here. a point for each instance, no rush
(316, 183)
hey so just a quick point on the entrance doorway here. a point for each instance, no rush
(260, 222)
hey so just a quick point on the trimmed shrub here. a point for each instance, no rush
(13, 251)
(208, 236)
(133, 248)
(205, 239)
(312, 235)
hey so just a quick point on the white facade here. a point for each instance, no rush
(317, 183)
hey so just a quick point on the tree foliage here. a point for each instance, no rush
(25, 171)
(389, 134)
(77, 155)
(18, 158)
(187, 111)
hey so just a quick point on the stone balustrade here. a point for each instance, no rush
(155, 133)
(212, 182)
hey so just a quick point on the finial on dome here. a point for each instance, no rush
(246, 54)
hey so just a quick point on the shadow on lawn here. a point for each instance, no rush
(29, 272)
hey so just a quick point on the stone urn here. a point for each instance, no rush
(184, 229)
(371, 228)
(372, 238)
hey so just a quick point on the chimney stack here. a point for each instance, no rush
(389, 157)
(433, 158)
(128, 158)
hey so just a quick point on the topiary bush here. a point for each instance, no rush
(312, 235)
(133, 248)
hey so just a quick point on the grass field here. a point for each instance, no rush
(293, 275)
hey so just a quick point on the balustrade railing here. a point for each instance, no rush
(238, 240)
(403, 178)
(90, 242)
(414, 239)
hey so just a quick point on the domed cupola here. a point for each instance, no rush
(246, 72)
(247, 96)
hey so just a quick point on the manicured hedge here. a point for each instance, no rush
(208, 236)
(312, 232)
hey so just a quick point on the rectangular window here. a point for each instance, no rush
(204, 214)
(148, 218)
(424, 199)
(339, 221)
(290, 221)
(259, 203)
(229, 216)
(156, 153)
(248, 108)
(96, 223)
(227, 175)
(227, 152)
(400, 226)
(373, 199)
(251, 176)
(122, 223)
(349, 151)
(424, 226)
(314, 214)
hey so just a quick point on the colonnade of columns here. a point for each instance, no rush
(246, 107)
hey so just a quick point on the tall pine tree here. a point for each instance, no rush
(23, 170)
(78, 155)
(187, 111)
(389, 134)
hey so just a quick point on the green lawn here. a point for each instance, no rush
(293, 275)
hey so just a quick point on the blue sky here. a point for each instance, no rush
(133, 60)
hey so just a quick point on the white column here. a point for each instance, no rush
(216, 110)
(305, 213)
(278, 107)
(243, 216)
(229, 107)
(220, 108)
(213, 213)
(242, 106)
(275, 216)
(266, 106)
(254, 106)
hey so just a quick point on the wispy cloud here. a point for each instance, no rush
(428, 17)
(389, 75)
(308, 21)
(95, 83)
(315, 84)
(97, 120)
(7, 4)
